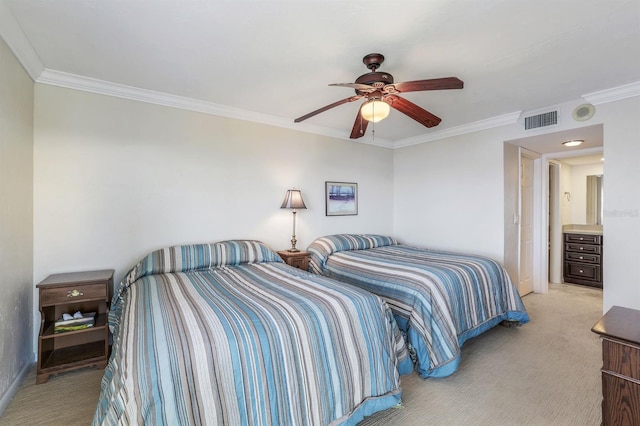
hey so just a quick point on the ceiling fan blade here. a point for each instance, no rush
(359, 127)
(357, 86)
(412, 110)
(431, 84)
(325, 108)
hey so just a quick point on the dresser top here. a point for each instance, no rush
(620, 323)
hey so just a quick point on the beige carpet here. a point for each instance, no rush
(543, 373)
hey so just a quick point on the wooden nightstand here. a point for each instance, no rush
(298, 259)
(68, 293)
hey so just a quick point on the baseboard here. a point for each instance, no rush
(13, 389)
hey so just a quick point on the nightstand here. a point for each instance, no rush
(298, 259)
(69, 350)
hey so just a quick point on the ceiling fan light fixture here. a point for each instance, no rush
(375, 110)
(575, 142)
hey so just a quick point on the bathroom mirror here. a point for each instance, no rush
(595, 191)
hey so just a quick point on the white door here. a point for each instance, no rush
(526, 226)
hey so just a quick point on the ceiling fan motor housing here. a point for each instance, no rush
(371, 78)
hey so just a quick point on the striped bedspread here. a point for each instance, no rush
(227, 334)
(440, 299)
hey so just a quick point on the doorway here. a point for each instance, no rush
(569, 199)
(547, 219)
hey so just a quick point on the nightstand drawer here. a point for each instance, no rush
(300, 262)
(54, 296)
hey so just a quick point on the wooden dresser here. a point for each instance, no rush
(583, 259)
(619, 329)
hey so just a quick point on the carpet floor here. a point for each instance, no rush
(546, 372)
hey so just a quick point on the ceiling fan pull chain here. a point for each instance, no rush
(373, 126)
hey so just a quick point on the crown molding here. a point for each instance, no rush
(501, 120)
(18, 43)
(87, 84)
(614, 94)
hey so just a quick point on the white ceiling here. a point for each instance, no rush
(272, 61)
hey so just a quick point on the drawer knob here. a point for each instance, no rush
(581, 238)
(581, 257)
(74, 293)
(581, 271)
(581, 248)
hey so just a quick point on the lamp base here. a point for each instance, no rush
(293, 248)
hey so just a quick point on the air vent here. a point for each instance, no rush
(541, 120)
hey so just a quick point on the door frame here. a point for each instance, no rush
(554, 255)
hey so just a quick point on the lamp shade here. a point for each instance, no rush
(375, 110)
(293, 200)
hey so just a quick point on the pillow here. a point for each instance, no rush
(324, 247)
(201, 256)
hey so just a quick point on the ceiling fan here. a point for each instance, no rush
(381, 93)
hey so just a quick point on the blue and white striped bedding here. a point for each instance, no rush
(227, 334)
(440, 299)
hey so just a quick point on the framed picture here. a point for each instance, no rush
(341, 198)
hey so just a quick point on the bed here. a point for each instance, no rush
(440, 299)
(228, 334)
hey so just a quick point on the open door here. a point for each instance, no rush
(525, 285)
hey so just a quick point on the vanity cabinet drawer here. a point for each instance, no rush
(582, 257)
(582, 248)
(583, 271)
(583, 238)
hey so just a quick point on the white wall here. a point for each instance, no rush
(115, 179)
(449, 193)
(16, 219)
(567, 197)
(621, 221)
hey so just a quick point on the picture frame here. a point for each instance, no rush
(341, 198)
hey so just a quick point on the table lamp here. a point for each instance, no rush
(293, 200)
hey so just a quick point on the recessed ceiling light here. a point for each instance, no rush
(574, 142)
